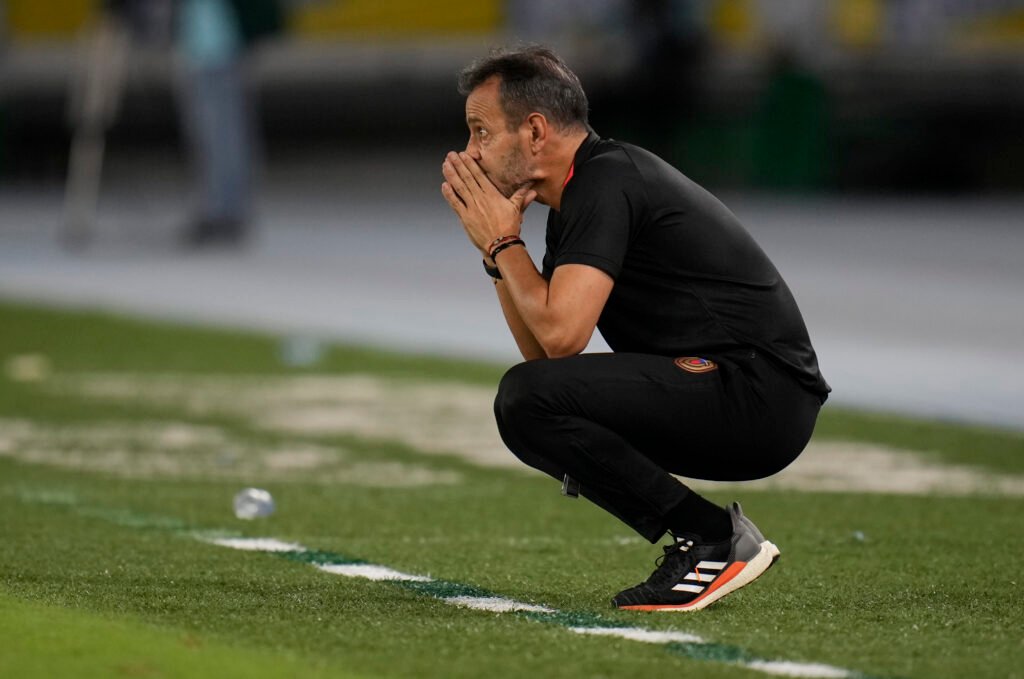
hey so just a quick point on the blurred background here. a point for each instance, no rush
(275, 164)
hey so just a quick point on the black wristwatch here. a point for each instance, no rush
(492, 271)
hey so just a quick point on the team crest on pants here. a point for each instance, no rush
(693, 364)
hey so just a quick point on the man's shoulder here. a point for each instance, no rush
(661, 181)
(606, 154)
(608, 166)
(625, 161)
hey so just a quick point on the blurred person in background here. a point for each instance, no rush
(712, 374)
(215, 38)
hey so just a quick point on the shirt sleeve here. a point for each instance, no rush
(596, 221)
(550, 243)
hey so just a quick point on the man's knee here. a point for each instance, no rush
(519, 414)
(515, 391)
(528, 387)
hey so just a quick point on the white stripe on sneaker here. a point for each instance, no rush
(701, 577)
(696, 589)
(715, 565)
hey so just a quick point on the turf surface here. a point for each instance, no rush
(99, 575)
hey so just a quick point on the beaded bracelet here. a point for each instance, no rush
(500, 241)
(504, 246)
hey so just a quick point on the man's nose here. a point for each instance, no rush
(472, 149)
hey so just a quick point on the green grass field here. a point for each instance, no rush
(122, 444)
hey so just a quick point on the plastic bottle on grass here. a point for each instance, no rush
(253, 503)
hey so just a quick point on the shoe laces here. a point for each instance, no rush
(675, 561)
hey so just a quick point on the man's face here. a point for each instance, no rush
(497, 149)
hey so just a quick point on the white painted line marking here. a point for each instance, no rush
(501, 605)
(369, 571)
(639, 634)
(256, 544)
(784, 668)
(496, 604)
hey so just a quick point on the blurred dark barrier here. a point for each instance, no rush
(913, 95)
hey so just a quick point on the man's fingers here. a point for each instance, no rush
(455, 180)
(476, 171)
(453, 198)
(462, 163)
(531, 196)
(523, 197)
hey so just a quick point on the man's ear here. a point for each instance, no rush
(539, 129)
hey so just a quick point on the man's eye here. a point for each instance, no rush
(481, 132)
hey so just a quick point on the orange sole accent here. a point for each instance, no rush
(728, 574)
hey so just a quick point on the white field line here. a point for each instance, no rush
(502, 605)
(492, 604)
(256, 544)
(639, 634)
(496, 604)
(784, 668)
(370, 572)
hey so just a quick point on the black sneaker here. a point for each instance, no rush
(695, 574)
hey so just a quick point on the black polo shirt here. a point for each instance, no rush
(689, 279)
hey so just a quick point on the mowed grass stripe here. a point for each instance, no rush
(49, 641)
(457, 594)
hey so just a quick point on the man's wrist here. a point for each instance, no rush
(500, 243)
(505, 244)
(492, 269)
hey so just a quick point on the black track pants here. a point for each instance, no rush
(622, 424)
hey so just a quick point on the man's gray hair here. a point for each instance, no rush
(533, 79)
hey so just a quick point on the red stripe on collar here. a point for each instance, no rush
(572, 170)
